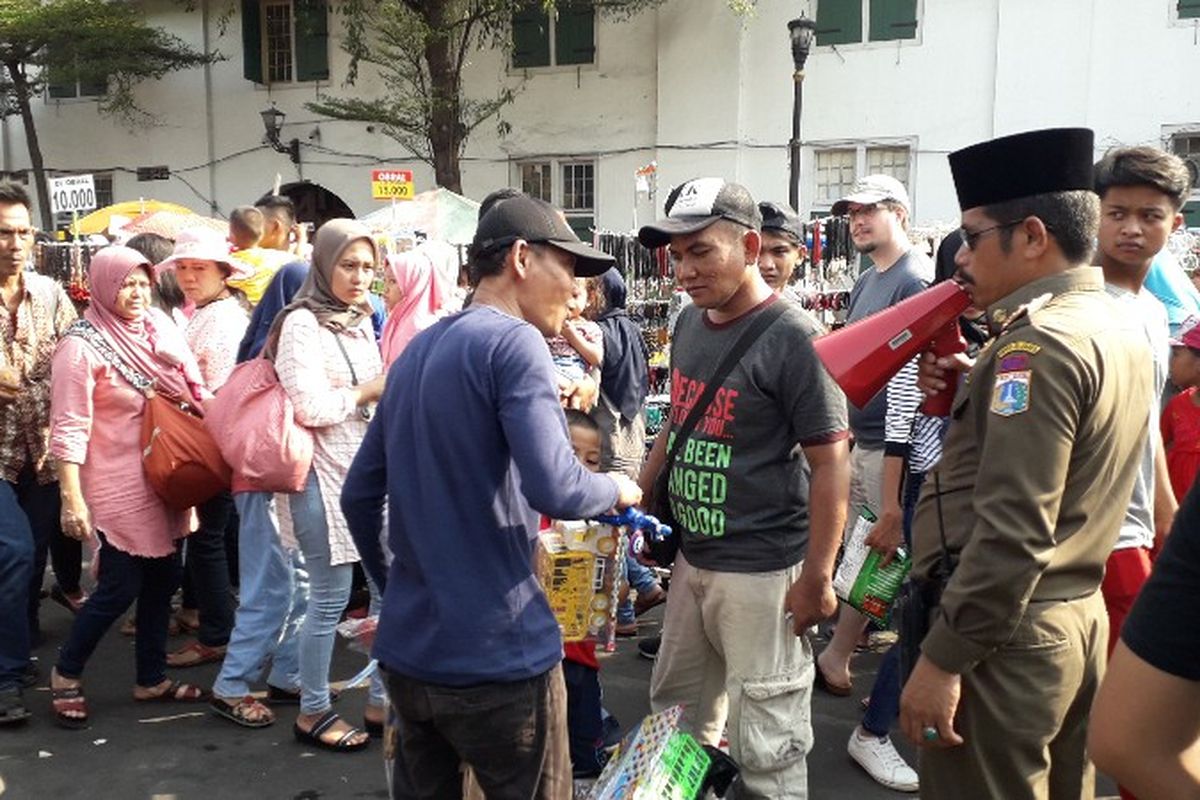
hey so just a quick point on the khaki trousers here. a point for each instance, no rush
(728, 653)
(1024, 711)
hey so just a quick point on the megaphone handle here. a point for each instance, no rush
(948, 342)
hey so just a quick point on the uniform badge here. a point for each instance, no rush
(1010, 396)
(1019, 347)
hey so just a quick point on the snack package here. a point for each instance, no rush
(579, 566)
(861, 580)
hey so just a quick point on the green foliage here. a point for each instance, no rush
(103, 42)
(419, 48)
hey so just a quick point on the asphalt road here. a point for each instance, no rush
(181, 752)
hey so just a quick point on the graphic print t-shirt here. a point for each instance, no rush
(737, 492)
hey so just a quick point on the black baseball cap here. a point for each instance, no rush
(537, 222)
(698, 203)
(778, 217)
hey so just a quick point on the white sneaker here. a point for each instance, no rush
(881, 761)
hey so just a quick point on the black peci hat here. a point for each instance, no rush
(537, 222)
(698, 203)
(1022, 165)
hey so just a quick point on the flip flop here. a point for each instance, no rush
(238, 712)
(177, 692)
(328, 720)
(69, 698)
(195, 653)
(824, 684)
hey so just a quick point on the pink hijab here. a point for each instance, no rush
(152, 345)
(420, 306)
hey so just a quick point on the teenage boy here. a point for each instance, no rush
(468, 445)
(782, 251)
(1142, 190)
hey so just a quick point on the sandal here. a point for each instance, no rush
(12, 707)
(194, 654)
(247, 712)
(825, 685)
(176, 692)
(327, 721)
(291, 697)
(70, 707)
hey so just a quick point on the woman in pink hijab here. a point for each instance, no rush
(96, 422)
(416, 297)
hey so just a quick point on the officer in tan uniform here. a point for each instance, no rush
(1037, 472)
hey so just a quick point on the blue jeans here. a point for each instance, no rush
(329, 591)
(16, 570)
(42, 505)
(122, 579)
(273, 601)
(208, 571)
(642, 579)
(884, 707)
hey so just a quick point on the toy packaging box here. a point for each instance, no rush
(579, 566)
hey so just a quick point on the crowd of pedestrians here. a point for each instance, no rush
(446, 431)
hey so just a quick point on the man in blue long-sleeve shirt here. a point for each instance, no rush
(469, 444)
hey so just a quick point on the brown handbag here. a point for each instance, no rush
(181, 460)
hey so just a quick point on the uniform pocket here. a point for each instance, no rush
(776, 729)
(1039, 630)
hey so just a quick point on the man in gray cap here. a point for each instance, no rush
(1014, 525)
(755, 564)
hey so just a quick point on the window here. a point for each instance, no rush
(61, 87)
(564, 38)
(835, 173)
(836, 168)
(285, 41)
(1187, 9)
(570, 185)
(844, 21)
(1187, 147)
(536, 180)
(578, 198)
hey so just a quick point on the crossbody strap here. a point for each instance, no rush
(85, 330)
(353, 375)
(763, 321)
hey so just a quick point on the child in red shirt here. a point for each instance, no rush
(1181, 418)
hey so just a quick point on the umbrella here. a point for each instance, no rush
(439, 213)
(97, 221)
(170, 224)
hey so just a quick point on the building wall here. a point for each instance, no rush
(689, 85)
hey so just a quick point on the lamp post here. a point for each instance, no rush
(802, 31)
(273, 123)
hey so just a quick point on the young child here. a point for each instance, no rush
(1181, 418)
(579, 347)
(581, 670)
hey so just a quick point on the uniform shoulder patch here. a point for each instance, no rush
(1018, 347)
(1010, 395)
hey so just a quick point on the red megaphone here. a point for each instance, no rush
(863, 356)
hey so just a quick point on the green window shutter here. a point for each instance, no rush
(93, 86)
(531, 37)
(252, 66)
(894, 19)
(1188, 9)
(575, 33)
(312, 40)
(839, 21)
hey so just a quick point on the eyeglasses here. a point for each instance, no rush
(17, 233)
(971, 238)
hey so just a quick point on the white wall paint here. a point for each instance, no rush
(687, 74)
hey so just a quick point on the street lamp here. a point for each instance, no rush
(802, 31)
(273, 122)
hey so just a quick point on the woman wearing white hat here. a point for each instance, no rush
(203, 267)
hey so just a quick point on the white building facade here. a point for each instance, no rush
(892, 86)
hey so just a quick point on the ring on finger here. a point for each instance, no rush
(929, 733)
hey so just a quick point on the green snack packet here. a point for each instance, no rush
(861, 581)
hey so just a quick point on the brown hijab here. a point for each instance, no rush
(316, 294)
